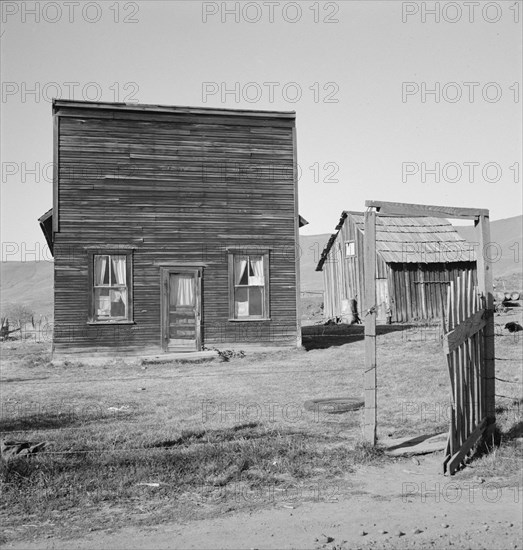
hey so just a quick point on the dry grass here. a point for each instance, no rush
(217, 436)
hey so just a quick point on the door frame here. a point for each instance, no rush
(165, 273)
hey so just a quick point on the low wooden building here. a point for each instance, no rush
(416, 258)
(173, 228)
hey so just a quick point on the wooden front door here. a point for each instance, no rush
(181, 306)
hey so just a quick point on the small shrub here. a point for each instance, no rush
(227, 354)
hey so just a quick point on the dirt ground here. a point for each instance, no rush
(388, 503)
(402, 505)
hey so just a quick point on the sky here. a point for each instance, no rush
(415, 102)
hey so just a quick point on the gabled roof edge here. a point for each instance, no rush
(333, 237)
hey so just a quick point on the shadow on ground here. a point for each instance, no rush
(18, 421)
(514, 432)
(326, 336)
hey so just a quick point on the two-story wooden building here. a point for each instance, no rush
(173, 229)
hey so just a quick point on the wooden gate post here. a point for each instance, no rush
(370, 382)
(484, 266)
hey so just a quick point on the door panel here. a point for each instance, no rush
(181, 307)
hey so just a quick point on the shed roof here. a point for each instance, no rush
(410, 240)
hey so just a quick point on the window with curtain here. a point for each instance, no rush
(181, 290)
(110, 288)
(249, 288)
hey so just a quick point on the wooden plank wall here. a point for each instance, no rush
(353, 266)
(333, 283)
(178, 188)
(344, 277)
(419, 291)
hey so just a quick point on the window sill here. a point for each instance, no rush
(249, 320)
(110, 323)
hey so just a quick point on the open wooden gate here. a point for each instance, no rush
(469, 339)
(464, 345)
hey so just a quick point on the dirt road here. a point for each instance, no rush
(404, 505)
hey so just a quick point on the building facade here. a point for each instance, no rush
(173, 229)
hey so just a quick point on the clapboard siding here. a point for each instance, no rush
(419, 291)
(416, 290)
(177, 188)
(344, 276)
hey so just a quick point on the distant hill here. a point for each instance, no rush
(31, 283)
(507, 236)
(27, 283)
(311, 247)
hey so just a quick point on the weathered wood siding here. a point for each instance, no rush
(333, 283)
(419, 291)
(180, 189)
(415, 291)
(344, 275)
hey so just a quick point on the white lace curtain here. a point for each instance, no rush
(100, 268)
(182, 290)
(257, 270)
(117, 277)
(119, 270)
(254, 267)
(240, 265)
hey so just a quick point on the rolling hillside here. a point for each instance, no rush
(27, 283)
(311, 247)
(31, 283)
(506, 234)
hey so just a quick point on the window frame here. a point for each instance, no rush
(264, 253)
(347, 245)
(129, 319)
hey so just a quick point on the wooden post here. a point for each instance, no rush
(484, 266)
(370, 422)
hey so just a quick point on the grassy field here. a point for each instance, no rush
(143, 444)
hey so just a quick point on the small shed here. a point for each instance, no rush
(416, 258)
